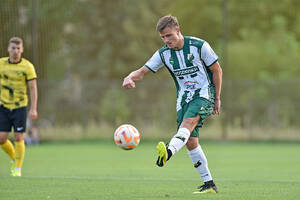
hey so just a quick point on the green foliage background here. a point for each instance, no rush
(85, 49)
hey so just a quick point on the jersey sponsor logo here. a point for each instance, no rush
(187, 82)
(191, 84)
(187, 71)
(171, 61)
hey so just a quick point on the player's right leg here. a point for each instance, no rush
(8, 148)
(177, 142)
(188, 118)
(162, 154)
(20, 152)
(5, 128)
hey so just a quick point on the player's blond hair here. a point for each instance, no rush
(167, 21)
(15, 40)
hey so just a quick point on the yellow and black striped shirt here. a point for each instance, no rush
(13, 82)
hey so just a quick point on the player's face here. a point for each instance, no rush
(171, 37)
(15, 51)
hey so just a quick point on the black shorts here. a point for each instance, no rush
(13, 118)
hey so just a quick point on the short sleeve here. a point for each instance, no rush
(154, 63)
(30, 72)
(208, 55)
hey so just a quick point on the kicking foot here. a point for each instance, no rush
(162, 154)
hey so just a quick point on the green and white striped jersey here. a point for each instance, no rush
(189, 68)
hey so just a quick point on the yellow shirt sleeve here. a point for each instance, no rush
(30, 72)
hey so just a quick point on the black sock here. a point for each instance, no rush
(169, 153)
(211, 182)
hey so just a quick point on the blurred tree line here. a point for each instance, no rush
(263, 68)
(86, 48)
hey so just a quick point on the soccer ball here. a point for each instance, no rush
(127, 137)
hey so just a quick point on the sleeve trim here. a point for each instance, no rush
(30, 79)
(213, 63)
(150, 68)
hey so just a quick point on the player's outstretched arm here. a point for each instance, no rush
(217, 79)
(129, 81)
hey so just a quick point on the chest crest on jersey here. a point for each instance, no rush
(19, 73)
(190, 57)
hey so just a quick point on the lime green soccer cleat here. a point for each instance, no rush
(13, 171)
(207, 189)
(16, 173)
(162, 154)
(12, 168)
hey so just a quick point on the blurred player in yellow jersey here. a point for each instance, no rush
(16, 75)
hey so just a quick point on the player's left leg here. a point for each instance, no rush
(202, 108)
(200, 163)
(19, 117)
(20, 152)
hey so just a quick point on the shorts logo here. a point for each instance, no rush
(20, 128)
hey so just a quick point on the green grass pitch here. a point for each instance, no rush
(100, 170)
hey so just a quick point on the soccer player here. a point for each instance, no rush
(198, 78)
(15, 73)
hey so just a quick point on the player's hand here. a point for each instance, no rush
(33, 114)
(217, 107)
(128, 83)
